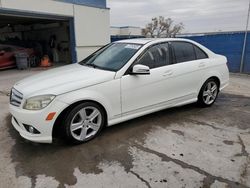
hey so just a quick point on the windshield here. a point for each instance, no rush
(112, 57)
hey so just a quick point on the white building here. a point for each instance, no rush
(126, 32)
(78, 27)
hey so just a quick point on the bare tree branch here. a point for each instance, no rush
(162, 28)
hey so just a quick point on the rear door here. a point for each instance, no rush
(189, 63)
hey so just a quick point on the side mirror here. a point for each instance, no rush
(2, 53)
(140, 69)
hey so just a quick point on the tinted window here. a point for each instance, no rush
(147, 59)
(156, 56)
(164, 59)
(183, 51)
(199, 53)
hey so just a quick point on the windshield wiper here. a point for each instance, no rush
(90, 65)
(93, 65)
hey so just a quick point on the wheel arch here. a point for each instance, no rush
(214, 76)
(216, 79)
(56, 127)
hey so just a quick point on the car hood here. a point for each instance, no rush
(62, 80)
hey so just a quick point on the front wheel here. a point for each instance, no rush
(84, 122)
(208, 93)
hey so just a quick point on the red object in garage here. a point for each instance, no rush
(7, 55)
(45, 62)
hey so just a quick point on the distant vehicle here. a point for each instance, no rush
(7, 55)
(121, 81)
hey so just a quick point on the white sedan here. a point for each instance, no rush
(121, 81)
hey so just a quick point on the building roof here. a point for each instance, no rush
(91, 3)
(123, 27)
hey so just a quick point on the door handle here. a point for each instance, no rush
(168, 73)
(202, 65)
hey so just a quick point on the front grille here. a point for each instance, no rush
(16, 97)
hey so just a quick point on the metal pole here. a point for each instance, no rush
(245, 41)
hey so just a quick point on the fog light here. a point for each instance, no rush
(31, 129)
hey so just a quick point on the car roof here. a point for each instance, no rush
(144, 41)
(135, 41)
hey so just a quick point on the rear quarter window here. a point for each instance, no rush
(200, 54)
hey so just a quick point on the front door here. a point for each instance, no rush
(143, 92)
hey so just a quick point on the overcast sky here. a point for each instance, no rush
(196, 15)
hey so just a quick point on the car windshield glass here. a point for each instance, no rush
(112, 57)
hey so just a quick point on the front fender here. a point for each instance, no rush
(106, 94)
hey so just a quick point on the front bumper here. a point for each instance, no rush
(36, 119)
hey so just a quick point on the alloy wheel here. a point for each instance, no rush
(210, 92)
(86, 123)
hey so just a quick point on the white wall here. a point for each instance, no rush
(41, 6)
(114, 31)
(133, 31)
(91, 29)
(84, 52)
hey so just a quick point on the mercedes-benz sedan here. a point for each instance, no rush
(121, 81)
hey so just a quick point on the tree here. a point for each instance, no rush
(162, 28)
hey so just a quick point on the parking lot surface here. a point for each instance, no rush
(180, 147)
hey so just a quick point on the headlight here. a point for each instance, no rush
(38, 102)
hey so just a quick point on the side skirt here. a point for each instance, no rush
(152, 109)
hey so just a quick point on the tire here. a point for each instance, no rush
(84, 122)
(208, 93)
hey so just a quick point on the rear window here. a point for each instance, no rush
(183, 51)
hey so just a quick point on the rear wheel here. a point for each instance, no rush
(84, 122)
(208, 93)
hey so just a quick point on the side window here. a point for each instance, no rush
(200, 54)
(183, 51)
(147, 59)
(156, 56)
(164, 59)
